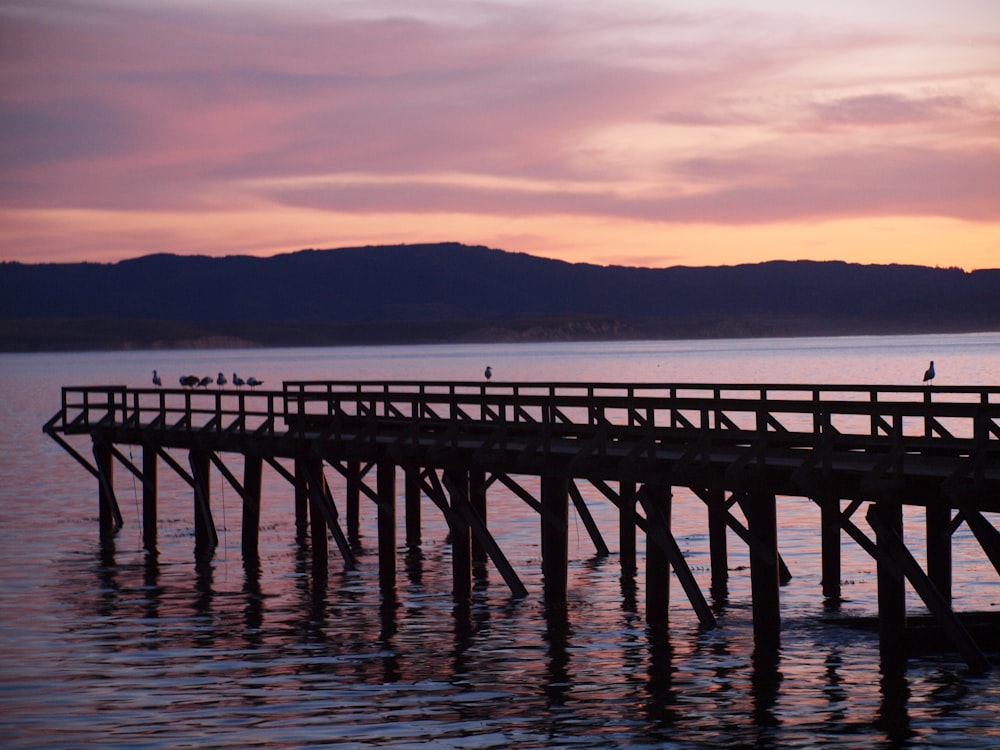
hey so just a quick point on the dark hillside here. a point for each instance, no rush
(457, 292)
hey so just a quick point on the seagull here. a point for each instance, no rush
(253, 382)
(156, 379)
(221, 380)
(189, 381)
(238, 381)
(929, 375)
(205, 381)
(489, 372)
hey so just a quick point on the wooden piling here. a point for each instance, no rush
(301, 475)
(252, 479)
(386, 490)
(657, 505)
(477, 498)
(760, 508)
(412, 501)
(149, 497)
(457, 482)
(626, 528)
(109, 517)
(206, 538)
(939, 555)
(829, 506)
(891, 584)
(715, 499)
(315, 487)
(555, 537)
(352, 501)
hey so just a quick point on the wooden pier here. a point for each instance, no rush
(733, 446)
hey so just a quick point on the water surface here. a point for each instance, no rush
(113, 647)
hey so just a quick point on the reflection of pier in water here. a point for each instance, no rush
(734, 446)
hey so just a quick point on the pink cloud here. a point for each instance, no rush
(136, 107)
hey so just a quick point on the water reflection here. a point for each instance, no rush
(661, 702)
(587, 666)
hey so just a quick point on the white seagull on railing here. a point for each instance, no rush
(156, 379)
(929, 375)
(221, 380)
(238, 381)
(205, 381)
(253, 382)
(489, 372)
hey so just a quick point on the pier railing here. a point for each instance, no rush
(966, 415)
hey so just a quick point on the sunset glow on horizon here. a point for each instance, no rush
(636, 133)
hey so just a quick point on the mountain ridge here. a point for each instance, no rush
(454, 292)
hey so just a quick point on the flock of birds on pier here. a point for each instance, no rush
(193, 381)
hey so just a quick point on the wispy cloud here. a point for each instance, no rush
(697, 115)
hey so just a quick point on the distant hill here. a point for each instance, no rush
(453, 292)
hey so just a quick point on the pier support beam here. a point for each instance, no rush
(555, 537)
(149, 499)
(829, 509)
(316, 487)
(386, 489)
(898, 557)
(413, 520)
(715, 499)
(760, 508)
(457, 483)
(888, 517)
(352, 500)
(657, 505)
(253, 470)
(301, 498)
(206, 538)
(626, 528)
(477, 498)
(938, 520)
(109, 515)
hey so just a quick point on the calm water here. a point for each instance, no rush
(114, 648)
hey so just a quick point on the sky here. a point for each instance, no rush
(646, 133)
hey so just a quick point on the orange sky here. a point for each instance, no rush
(639, 133)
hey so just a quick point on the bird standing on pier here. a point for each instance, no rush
(238, 381)
(929, 375)
(253, 382)
(489, 372)
(205, 381)
(221, 380)
(156, 379)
